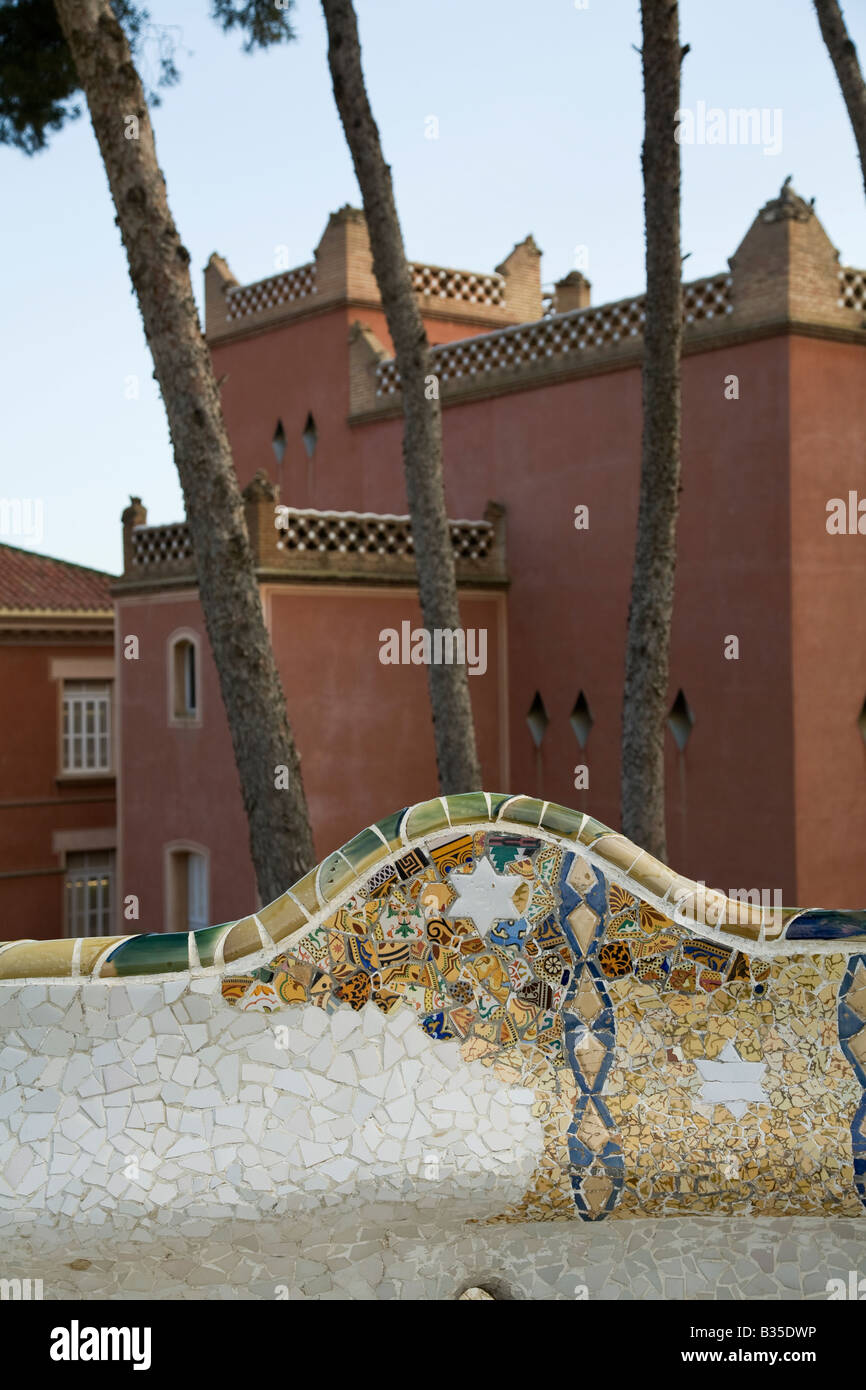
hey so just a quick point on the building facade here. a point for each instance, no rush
(58, 753)
(542, 425)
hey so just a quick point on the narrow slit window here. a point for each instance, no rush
(184, 679)
(310, 436)
(681, 720)
(581, 719)
(278, 443)
(537, 719)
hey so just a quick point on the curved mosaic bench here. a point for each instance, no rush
(686, 1052)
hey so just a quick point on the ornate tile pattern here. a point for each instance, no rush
(681, 1054)
(471, 935)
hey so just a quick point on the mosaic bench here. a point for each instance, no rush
(483, 993)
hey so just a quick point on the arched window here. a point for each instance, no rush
(184, 678)
(187, 887)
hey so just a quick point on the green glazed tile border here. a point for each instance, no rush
(392, 827)
(155, 953)
(334, 874)
(282, 918)
(207, 939)
(592, 830)
(304, 892)
(497, 801)
(426, 817)
(466, 807)
(159, 953)
(365, 851)
(244, 939)
(559, 820)
(525, 810)
(93, 948)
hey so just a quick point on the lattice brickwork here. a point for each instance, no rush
(354, 533)
(339, 533)
(295, 284)
(559, 336)
(436, 282)
(161, 545)
(852, 288)
(707, 299)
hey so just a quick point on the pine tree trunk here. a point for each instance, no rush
(280, 837)
(454, 733)
(652, 593)
(844, 57)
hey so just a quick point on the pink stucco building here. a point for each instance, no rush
(542, 422)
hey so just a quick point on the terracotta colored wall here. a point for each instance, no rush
(542, 452)
(178, 783)
(545, 451)
(298, 368)
(828, 429)
(284, 374)
(31, 907)
(363, 730)
(730, 794)
(33, 802)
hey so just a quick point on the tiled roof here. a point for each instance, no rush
(34, 583)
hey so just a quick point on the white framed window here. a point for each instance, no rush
(188, 883)
(89, 893)
(86, 726)
(184, 697)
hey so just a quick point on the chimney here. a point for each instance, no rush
(344, 261)
(572, 292)
(133, 515)
(522, 271)
(217, 279)
(260, 502)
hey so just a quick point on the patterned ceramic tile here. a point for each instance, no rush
(678, 1061)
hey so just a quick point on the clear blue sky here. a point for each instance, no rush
(540, 123)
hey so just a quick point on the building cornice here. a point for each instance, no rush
(43, 626)
(544, 373)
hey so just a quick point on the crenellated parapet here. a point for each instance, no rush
(341, 273)
(785, 277)
(556, 344)
(305, 543)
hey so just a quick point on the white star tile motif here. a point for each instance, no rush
(732, 1082)
(485, 896)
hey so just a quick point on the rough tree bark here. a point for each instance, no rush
(454, 733)
(652, 592)
(280, 837)
(844, 58)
